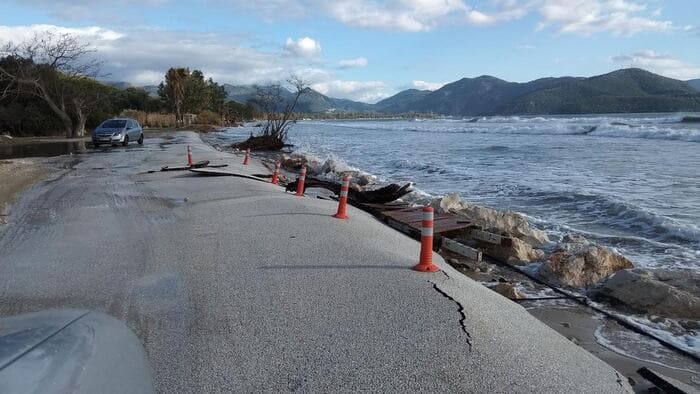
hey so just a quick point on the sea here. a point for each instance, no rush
(630, 182)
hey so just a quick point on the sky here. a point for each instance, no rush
(367, 50)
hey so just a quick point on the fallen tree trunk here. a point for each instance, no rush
(382, 195)
(261, 143)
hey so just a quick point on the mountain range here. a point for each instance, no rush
(695, 83)
(625, 90)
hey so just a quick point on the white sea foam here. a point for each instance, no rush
(639, 347)
(652, 127)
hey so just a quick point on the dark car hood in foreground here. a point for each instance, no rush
(70, 351)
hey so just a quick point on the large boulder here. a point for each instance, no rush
(653, 292)
(293, 161)
(509, 222)
(517, 252)
(581, 263)
(509, 291)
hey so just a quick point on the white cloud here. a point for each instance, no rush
(137, 56)
(365, 91)
(424, 85)
(350, 63)
(407, 15)
(146, 77)
(305, 46)
(620, 17)
(659, 63)
(142, 57)
(105, 10)
(22, 33)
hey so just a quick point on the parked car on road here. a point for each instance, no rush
(117, 131)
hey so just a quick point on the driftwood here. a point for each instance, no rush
(261, 143)
(382, 195)
(199, 164)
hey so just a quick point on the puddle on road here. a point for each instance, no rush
(51, 149)
(42, 149)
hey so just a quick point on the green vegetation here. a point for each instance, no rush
(49, 85)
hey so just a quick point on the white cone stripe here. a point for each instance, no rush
(428, 216)
(343, 193)
(426, 231)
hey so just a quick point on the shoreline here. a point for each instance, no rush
(585, 320)
(581, 324)
(219, 276)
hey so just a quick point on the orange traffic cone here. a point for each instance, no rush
(300, 182)
(426, 243)
(343, 200)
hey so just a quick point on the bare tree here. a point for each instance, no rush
(279, 114)
(270, 98)
(48, 66)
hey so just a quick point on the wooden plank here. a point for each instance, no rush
(415, 215)
(403, 227)
(218, 172)
(448, 225)
(665, 383)
(461, 249)
(486, 236)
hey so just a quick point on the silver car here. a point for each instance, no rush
(118, 131)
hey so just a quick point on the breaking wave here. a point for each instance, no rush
(613, 213)
(663, 127)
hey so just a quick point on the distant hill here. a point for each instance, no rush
(695, 83)
(118, 84)
(627, 90)
(310, 101)
(151, 89)
(402, 101)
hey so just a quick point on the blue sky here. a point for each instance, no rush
(369, 49)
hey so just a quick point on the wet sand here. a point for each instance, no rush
(18, 175)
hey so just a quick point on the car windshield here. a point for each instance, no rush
(113, 124)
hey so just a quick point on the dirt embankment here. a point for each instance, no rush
(16, 175)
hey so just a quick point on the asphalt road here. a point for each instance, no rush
(233, 285)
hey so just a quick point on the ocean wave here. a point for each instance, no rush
(639, 347)
(613, 213)
(647, 132)
(593, 119)
(661, 128)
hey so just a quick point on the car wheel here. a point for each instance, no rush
(141, 139)
(126, 140)
(95, 144)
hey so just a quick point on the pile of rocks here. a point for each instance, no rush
(667, 293)
(327, 169)
(577, 262)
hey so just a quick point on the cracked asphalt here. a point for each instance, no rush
(233, 285)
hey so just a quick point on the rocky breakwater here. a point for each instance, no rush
(574, 262)
(661, 292)
(526, 240)
(578, 262)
